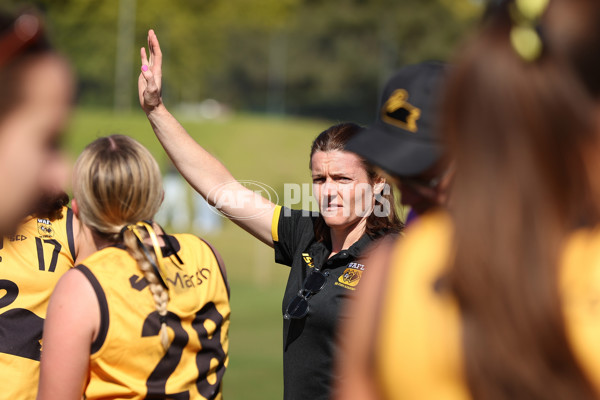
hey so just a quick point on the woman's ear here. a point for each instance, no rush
(379, 186)
(75, 207)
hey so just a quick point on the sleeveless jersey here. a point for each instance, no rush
(418, 351)
(127, 358)
(31, 263)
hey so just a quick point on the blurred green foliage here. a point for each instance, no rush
(304, 57)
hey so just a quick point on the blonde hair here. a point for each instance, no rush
(117, 183)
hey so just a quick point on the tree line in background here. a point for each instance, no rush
(304, 57)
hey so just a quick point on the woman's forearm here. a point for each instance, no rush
(200, 168)
(211, 179)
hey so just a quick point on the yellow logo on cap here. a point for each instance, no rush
(399, 112)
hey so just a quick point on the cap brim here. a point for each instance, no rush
(399, 155)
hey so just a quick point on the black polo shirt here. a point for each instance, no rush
(309, 344)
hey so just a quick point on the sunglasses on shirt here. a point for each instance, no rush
(298, 308)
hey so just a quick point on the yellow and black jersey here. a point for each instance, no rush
(418, 346)
(418, 352)
(31, 263)
(127, 358)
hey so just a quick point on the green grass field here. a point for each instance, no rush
(269, 150)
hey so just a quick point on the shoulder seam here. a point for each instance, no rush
(220, 263)
(70, 235)
(102, 303)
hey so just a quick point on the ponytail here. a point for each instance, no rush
(516, 131)
(150, 262)
(117, 182)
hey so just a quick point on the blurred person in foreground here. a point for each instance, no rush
(321, 250)
(44, 246)
(37, 92)
(497, 298)
(38, 234)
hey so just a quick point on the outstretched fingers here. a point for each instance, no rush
(144, 58)
(155, 52)
(149, 83)
(151, 86)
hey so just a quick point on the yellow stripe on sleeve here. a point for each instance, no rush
(275, 223)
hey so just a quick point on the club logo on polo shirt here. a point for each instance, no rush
(351, 276)
(308, 260)
(399, 112)
(45, 229)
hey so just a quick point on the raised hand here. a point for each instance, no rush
(202, 170)
(150, 79)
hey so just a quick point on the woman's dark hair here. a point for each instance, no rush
(51, 206)
(518, 132)
(22, 39)
(336, 138)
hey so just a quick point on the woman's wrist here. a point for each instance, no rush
(157, 112)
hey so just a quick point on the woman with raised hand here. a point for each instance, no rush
(497, 298)
(147, 314)
(355, 208)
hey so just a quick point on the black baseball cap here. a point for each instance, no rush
(404, 140)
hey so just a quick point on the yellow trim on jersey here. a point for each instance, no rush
(275, 223)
